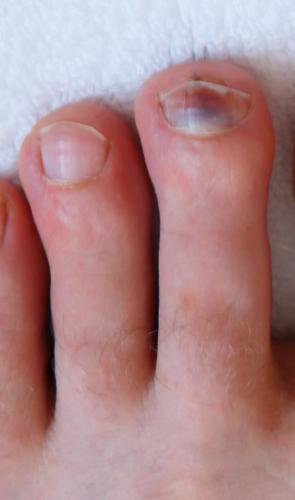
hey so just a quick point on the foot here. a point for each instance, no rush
(210, 413)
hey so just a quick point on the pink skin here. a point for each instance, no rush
(211, 414)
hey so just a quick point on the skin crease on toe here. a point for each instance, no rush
(211, 416)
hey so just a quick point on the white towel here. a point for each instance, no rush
(56, 51)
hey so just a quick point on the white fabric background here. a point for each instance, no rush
(57, 51)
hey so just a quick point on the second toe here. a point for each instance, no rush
(86, 183)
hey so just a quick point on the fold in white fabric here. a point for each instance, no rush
(58, 51)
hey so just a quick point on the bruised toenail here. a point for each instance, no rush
(3, 216)
(72, 152)
(204, 108)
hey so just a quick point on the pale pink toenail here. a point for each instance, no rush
(72, 152)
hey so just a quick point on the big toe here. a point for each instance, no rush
(208, 143)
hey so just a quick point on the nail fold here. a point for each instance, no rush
(3, 216)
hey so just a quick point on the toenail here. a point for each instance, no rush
(3, 216)
(204, 108)
(72, 152)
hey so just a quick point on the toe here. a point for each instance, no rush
(89, 192)
(208, 143)
(24, 398)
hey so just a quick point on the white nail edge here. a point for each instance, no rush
(216, 87)
(71, 124)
